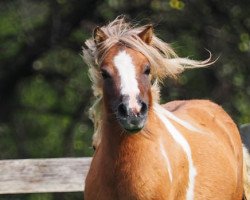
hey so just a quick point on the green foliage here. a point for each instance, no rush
(244, 44)
(37, 94)
(176, 4)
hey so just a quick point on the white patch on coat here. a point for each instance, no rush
(127, 72)
(181, 122)
(179, 138)
(164, 154)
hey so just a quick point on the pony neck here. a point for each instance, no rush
(127, 156)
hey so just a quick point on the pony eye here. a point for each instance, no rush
(105, 74)
(147, 69)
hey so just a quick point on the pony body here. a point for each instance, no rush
(153, 165)
(183, 150)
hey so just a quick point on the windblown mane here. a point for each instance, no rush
(164, 61)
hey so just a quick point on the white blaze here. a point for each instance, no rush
(127, 72)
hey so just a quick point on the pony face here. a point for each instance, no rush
(126, 81)
(126, 86)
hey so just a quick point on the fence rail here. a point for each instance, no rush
(43, 175)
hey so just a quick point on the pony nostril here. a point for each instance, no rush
(122, 110)
(144, 108)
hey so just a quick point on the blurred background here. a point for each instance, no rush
(45, 91)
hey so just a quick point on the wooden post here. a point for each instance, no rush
(245, 135)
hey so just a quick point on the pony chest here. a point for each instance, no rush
(141, 176)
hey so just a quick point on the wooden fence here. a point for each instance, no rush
(43, 175)
(55, 175)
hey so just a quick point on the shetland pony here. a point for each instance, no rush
(144, 150)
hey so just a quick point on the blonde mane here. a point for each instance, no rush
(164, 61)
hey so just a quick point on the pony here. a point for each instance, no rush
(147, 151)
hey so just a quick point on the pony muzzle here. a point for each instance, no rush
(132, 119)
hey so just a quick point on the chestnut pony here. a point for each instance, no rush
(144, 150)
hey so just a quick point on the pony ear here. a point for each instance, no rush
(99, 35)
(147, 34)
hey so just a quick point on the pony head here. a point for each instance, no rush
(126, 81)
(124, 60)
